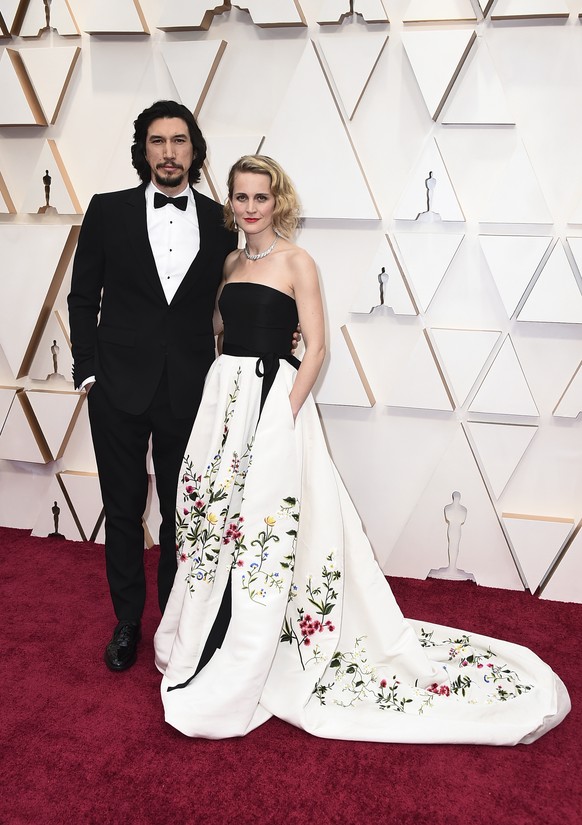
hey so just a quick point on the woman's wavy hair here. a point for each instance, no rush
(286, 216)
(166, 108)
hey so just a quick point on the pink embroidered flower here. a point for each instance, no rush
(189, 489)
(307, 642)
(383, 683)
(199, 504)
(183, 557)
(186, 511)
(480, 664)
(240, 563)
(186, 478)
(439, 690)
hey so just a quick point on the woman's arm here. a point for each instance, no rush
(305, 282)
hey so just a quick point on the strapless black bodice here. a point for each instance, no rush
(257, 319)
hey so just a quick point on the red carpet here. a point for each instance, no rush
(83, 745)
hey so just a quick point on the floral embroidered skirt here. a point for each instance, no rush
(315, 636)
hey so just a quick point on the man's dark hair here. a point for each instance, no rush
(166, 108)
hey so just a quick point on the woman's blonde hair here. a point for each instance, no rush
(286, 215)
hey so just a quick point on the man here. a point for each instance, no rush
(145, 276)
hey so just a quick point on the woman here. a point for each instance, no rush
(278, 606)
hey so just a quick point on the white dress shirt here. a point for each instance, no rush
(174, 238)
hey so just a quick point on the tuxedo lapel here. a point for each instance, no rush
(206, 227)
(135, 217)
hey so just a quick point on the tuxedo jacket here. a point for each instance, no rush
(123, 331)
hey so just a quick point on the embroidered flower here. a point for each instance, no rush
(212, 518)
(439, 690)
(270, 521)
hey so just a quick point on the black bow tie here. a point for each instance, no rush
(162, 200)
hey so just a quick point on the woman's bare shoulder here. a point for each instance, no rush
(231, 261)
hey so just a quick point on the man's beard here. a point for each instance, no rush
(174, 180)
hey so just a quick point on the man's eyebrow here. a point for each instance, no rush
(178, 134)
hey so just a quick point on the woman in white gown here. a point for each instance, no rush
(278, 606)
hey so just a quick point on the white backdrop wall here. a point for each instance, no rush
(454, 335)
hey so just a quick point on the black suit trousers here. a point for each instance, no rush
(121, 441)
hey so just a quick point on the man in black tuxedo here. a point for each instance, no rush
(145, 276)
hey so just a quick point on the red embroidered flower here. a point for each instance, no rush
(383, 683)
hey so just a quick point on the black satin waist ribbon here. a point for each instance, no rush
(266, 367)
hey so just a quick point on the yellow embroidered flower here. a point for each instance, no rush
(212, 518)
(270, 521)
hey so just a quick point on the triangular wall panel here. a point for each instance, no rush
(499, 449)
(6, 202)
(478, 96)
(555, 296)
(193, 68)
(463, 354)
(21, 438)
(61, 194)
(197, 15)
(524, 9)
(84, 496)
(313, 156)
(420, 383)
(426, 259)
(570, 402)
(50, 71)
(351, 62)
(513, 261)
(6, 400)
(56, 516)
(504, 390)
(267, 13)
(9, 13)
(436, 58)
(114, 17)
(537, 542)
(382, 285)
(336, 11)
(516, 196)
(565, 583)
(222, 150)
(56, 413)
(54, 346)
(35, 259)
(19, 105)
(61, 19)
(439, 201)
(423, 544)
(426, 11)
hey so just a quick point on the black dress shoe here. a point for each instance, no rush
(121, 652)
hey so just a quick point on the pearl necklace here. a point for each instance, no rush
(260, 255)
